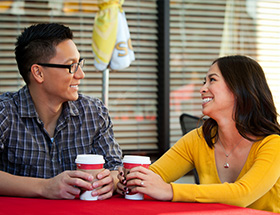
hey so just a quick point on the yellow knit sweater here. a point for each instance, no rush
(257, 186)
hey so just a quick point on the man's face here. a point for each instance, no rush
(59, 84)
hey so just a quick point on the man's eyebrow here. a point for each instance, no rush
(72, 60)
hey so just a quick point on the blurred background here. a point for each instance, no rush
(174, 43)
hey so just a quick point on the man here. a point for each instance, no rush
(46, 124)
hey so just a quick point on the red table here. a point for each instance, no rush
(117, 205)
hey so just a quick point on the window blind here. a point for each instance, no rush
(132, 91)
(201, 31)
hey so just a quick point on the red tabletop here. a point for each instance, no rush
(117, 205)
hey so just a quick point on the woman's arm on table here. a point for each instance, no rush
(254, 184)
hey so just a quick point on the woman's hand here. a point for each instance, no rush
(121, 185)
(143, 180)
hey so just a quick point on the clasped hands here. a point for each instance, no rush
(68, 184)
(142, 180)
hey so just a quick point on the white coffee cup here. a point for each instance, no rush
(92, 164)
(130, 161)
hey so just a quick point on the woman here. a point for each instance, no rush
(236, 152)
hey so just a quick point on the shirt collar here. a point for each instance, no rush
(26, 107)
(70, 108)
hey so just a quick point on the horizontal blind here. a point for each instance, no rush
(201, 31)
(267, 18)
(132, 91)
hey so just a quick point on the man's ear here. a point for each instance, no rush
(37, 74)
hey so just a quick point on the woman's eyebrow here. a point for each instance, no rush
(213, 74)
(209, 76)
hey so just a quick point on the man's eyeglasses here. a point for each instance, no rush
(72, 67)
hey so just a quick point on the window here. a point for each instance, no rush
(132, 92)
(201, 31)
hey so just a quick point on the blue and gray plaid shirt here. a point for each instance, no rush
(26, 149)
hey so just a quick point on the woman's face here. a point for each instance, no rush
(217, 99)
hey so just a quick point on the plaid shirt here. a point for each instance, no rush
(26, 149)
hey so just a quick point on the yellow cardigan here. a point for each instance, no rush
(257, 186)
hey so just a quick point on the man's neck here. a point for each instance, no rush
(47, 109)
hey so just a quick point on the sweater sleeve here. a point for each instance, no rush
(261, 177)
(178, 160)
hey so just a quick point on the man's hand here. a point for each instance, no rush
(66, 185)
(106, 184)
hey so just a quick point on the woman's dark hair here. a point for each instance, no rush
(255, 112)
(37, 44)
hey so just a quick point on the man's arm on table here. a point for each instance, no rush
(63, 186)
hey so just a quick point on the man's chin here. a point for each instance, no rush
(74, 97)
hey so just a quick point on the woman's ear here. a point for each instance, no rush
(37, 73)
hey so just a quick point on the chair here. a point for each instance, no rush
(188, 123)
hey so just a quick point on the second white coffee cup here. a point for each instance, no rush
(130, 161)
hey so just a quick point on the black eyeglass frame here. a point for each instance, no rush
(80, 63)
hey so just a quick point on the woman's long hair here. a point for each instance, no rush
(255, 112)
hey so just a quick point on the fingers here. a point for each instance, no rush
(121, 185)
(134, 177)
(137, 173)
(135, 180)
(137, 183)
(140, 169)
(65, 185)
(80, 174)
(79, 179)
(104, 186)
(121, 188)
(103, 174)
(71, 192)
(121, 171)
(104, 192)
(136, 189)
(149, 183)
(104, 178)
(69, 184)
(121, 175)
